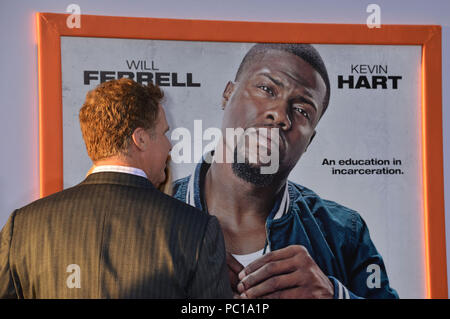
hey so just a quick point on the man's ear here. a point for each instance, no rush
(311, 139)
(141, 138)
(227, 93)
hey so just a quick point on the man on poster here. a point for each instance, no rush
(283, 240)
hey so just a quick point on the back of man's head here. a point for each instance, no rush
(111, 113)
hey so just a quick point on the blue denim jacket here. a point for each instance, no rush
(336, 237)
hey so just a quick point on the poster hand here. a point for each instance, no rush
(287, 273)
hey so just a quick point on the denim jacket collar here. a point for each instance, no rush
(194, 193)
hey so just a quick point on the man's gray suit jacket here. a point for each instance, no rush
(112, 236)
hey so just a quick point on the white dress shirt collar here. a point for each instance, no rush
(119, 169)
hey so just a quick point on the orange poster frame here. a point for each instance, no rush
(51, 26)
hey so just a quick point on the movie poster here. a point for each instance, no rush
(366, 154)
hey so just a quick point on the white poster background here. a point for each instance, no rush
(359, 124)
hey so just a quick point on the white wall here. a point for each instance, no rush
(19, 160)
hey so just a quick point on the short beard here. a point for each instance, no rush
(251, 173)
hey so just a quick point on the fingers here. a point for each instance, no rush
(271, 269)
(233, 280)
(272, 285)
(233, 264)
(234, 267)
(286, 273)
(276, 255)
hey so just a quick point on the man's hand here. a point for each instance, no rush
(288, 273)
(234, 268)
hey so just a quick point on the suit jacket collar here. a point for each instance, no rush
(118, 179)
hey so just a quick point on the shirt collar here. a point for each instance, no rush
(196, 181)
(119, 169)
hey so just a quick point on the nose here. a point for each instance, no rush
(279, 117)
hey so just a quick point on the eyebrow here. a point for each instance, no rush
(273, 80)
(309, 101)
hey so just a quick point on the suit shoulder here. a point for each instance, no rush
(47, 201)
(112, 198)
(181, 206)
